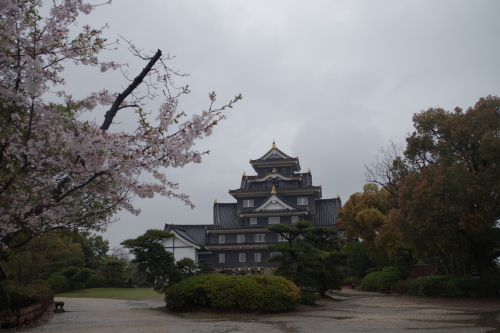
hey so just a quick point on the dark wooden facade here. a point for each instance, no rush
(278, 193)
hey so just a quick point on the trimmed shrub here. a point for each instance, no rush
(41, 283)
(96, 281)
(226, 292)
(58, 283)
(428, 286)
(4, 299)
(24, 296)
(76, 285)
(376, 280)
(70, 272)
(448, 286)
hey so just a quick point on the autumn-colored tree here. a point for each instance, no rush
(448, 199)
(58, 170)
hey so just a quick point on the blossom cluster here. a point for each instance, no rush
(57, 170)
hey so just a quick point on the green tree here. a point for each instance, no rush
(153, 259)
(357, 261)
(114, 271)
(205, 267)
(43, 256)
(187, 267)
(310, 257)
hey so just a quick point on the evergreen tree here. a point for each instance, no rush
(310, 257)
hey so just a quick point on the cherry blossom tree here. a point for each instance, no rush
(58, 170)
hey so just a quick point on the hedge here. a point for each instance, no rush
(376, 280)
(226, 292)
(25, 296)
(448, 286)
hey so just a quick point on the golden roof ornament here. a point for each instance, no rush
(274, 144)
(216, 201)
(273, 190)
(301, 175)
(274, 170)
(338, 196)
(307, 208)
(309, 170)
(244, 173)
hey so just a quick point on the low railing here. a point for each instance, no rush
(25, 315)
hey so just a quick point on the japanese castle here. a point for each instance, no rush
(238, 238)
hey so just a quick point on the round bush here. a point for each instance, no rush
(70, 272)
(96, 281)
(376, 280)
(226, 292)
(76, 285)
(58, 283)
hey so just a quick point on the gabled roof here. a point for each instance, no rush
(226, 216)
(194, 233)
(275, 199)
(326, 212)
(276, 157)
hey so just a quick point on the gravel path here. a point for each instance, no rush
(351, 312)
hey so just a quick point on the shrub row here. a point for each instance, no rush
(24, 296)
(225, 292)
(377, 280)
(448, 286)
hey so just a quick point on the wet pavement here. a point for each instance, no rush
(349, 311)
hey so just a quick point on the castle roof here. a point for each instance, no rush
(226, 216)
(193, 233)
(275, 157)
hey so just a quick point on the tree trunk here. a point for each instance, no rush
(483, 264)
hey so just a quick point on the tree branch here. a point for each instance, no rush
(108, 118)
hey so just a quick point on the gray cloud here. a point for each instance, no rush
(331, 81)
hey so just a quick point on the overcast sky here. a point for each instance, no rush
(330, 81)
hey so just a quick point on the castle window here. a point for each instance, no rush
(222, 257)
(247, 203)
(253, 220)
(273, 220)
(259, 238)
(240, 238)
(302, 201)
(242, 257)
(283, 238)
(222, 238)
(295, 219)
(256, 257)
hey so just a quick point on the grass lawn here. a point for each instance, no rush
(117, 293)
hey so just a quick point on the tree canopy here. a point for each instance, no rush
(310, 257)
(58, 170)
(447, 186)
(155, 261)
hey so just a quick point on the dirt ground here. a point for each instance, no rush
(349, 311)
